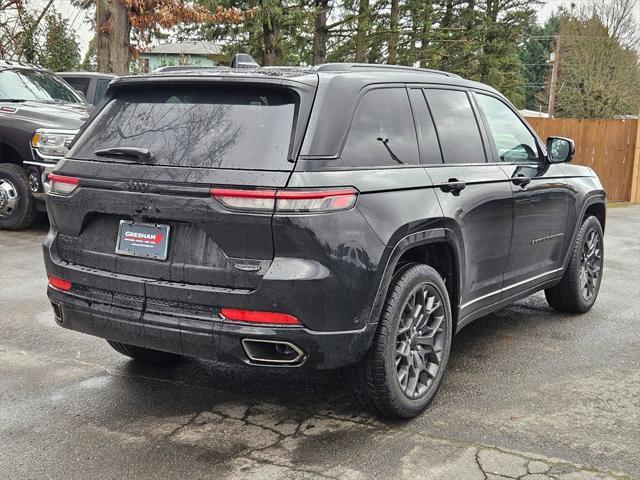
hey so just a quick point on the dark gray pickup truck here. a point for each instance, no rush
(40, 115)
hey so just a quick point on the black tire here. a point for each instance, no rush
(376, 382)
(17, 205)
(571, 295)
(144, 354)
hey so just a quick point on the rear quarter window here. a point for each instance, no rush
(203, 126)
(382, 132)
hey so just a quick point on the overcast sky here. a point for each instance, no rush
(78, 17)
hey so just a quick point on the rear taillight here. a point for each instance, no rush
(299, 201)
(59, 283)
(252, 316)
(287, 201)
(237, 199)
(62, 185)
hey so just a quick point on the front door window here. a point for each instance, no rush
(513, 140)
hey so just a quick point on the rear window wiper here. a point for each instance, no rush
(140, 153)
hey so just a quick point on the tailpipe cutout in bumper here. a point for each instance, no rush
(272, 352)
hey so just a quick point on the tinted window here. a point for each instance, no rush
(101, 89)
(80, 84)
(514, 141)
(429, 147)
(35, 85)
(456, 125)
(382, 132)
(197, 126)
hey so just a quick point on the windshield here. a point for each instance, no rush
(207, 126)
(38, 85)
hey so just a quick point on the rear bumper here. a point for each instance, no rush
(196, 332)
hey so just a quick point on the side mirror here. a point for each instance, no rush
(80, 93)
(560, 149)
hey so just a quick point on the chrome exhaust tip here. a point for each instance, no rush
(57, 313)
(272, 352)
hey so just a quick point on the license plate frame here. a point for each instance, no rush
(139, 239)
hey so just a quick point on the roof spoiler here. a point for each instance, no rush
(243, 60)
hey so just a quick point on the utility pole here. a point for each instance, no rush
(554, 77)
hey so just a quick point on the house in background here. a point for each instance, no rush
(204, 54)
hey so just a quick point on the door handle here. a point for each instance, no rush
(521, 180)
(453, 186)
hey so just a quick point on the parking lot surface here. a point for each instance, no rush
(529, 393)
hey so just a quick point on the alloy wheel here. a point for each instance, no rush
(420, 341)
(8, 198)
(34, 182)
(590, 264)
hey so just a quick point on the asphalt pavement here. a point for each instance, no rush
(529, 393)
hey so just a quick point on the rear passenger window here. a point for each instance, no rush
(80, 84)
(456, 126)
(382, 132)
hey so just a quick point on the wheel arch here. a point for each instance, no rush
(9, 154)
(594, 204)
(439, 248)
(598, 209)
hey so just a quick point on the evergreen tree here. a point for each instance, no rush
(61, 50)
(478, 39)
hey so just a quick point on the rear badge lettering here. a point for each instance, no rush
(138, 186)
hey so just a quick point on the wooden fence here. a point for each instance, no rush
(610, 147)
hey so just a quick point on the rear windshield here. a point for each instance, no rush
(206, 126)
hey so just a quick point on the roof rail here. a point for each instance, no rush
(349, 67)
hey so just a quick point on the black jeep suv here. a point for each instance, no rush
(39, 116)
(345, 216)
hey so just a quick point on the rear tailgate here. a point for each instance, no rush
(201, 135)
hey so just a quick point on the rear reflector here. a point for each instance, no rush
(59, 283)
(62, 185)
(287, 201)
(251, 316)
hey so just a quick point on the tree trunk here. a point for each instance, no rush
(361, 32)
(270, 32)
(413, 36)
(393, 33)
(447, 21)
(113, 29)
(487, 42)
(427, 19)
(321, 32)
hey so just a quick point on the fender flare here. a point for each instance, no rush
(415, 239)
(592, 198)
